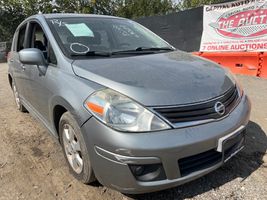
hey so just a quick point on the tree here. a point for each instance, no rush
(138, 8)
(11, 15)
(187, 4)
(105, 7)
(32, 7)
(13, 12)
(73, 6)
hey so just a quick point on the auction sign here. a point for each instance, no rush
(235, 26)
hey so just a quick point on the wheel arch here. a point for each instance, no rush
(58, 111)
(59, 106)
(10, 80)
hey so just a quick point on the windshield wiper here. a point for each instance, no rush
(143, 50)
(93, 53)
(154, 49)
(139, 50)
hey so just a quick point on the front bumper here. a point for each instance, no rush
(112, 153)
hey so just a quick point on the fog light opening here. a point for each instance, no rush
(138, 170)
(148, 172)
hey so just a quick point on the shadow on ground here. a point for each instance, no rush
(244, 164)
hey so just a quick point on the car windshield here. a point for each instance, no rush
(100, 36)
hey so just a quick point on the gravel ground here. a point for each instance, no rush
(32, 164)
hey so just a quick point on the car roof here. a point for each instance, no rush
(70, 15)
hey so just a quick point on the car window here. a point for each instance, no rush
(39, 40)
(80, 35)
(130, 38)
(51, 55)
(21, 38)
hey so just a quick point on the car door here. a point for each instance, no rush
(40, 88)
(17, 68)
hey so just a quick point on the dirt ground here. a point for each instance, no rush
(32, 164)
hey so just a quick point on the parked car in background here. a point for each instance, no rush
(129, 109)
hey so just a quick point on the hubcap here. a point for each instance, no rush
(16, 95)
(72, 148)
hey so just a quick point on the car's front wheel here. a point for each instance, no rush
(19, 105)
(74, 148)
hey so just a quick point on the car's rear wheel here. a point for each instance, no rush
(19, 105)
(74, 148)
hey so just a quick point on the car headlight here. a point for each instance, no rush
(122, 113)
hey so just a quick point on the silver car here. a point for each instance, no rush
(128, 108)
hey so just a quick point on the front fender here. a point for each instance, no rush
(71, 97)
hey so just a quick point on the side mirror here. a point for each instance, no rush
(32, 56)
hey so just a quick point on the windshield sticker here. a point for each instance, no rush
(79, 48)
(79, 30)
(57, 22)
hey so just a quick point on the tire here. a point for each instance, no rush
(19, 105)
(74, 149)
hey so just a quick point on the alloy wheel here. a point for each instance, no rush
(72, 148)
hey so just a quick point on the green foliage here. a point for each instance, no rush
(11, 14)
(32, 7)
(187, 4)
(105, 7)
(137, 8)
(73, 6)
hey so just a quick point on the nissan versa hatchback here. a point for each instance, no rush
(128, 108)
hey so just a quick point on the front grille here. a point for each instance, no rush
(198, 162)
(200, 111)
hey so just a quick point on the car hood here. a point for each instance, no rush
(158, 79)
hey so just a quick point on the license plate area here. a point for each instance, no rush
(232, 143)
(233, 146)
